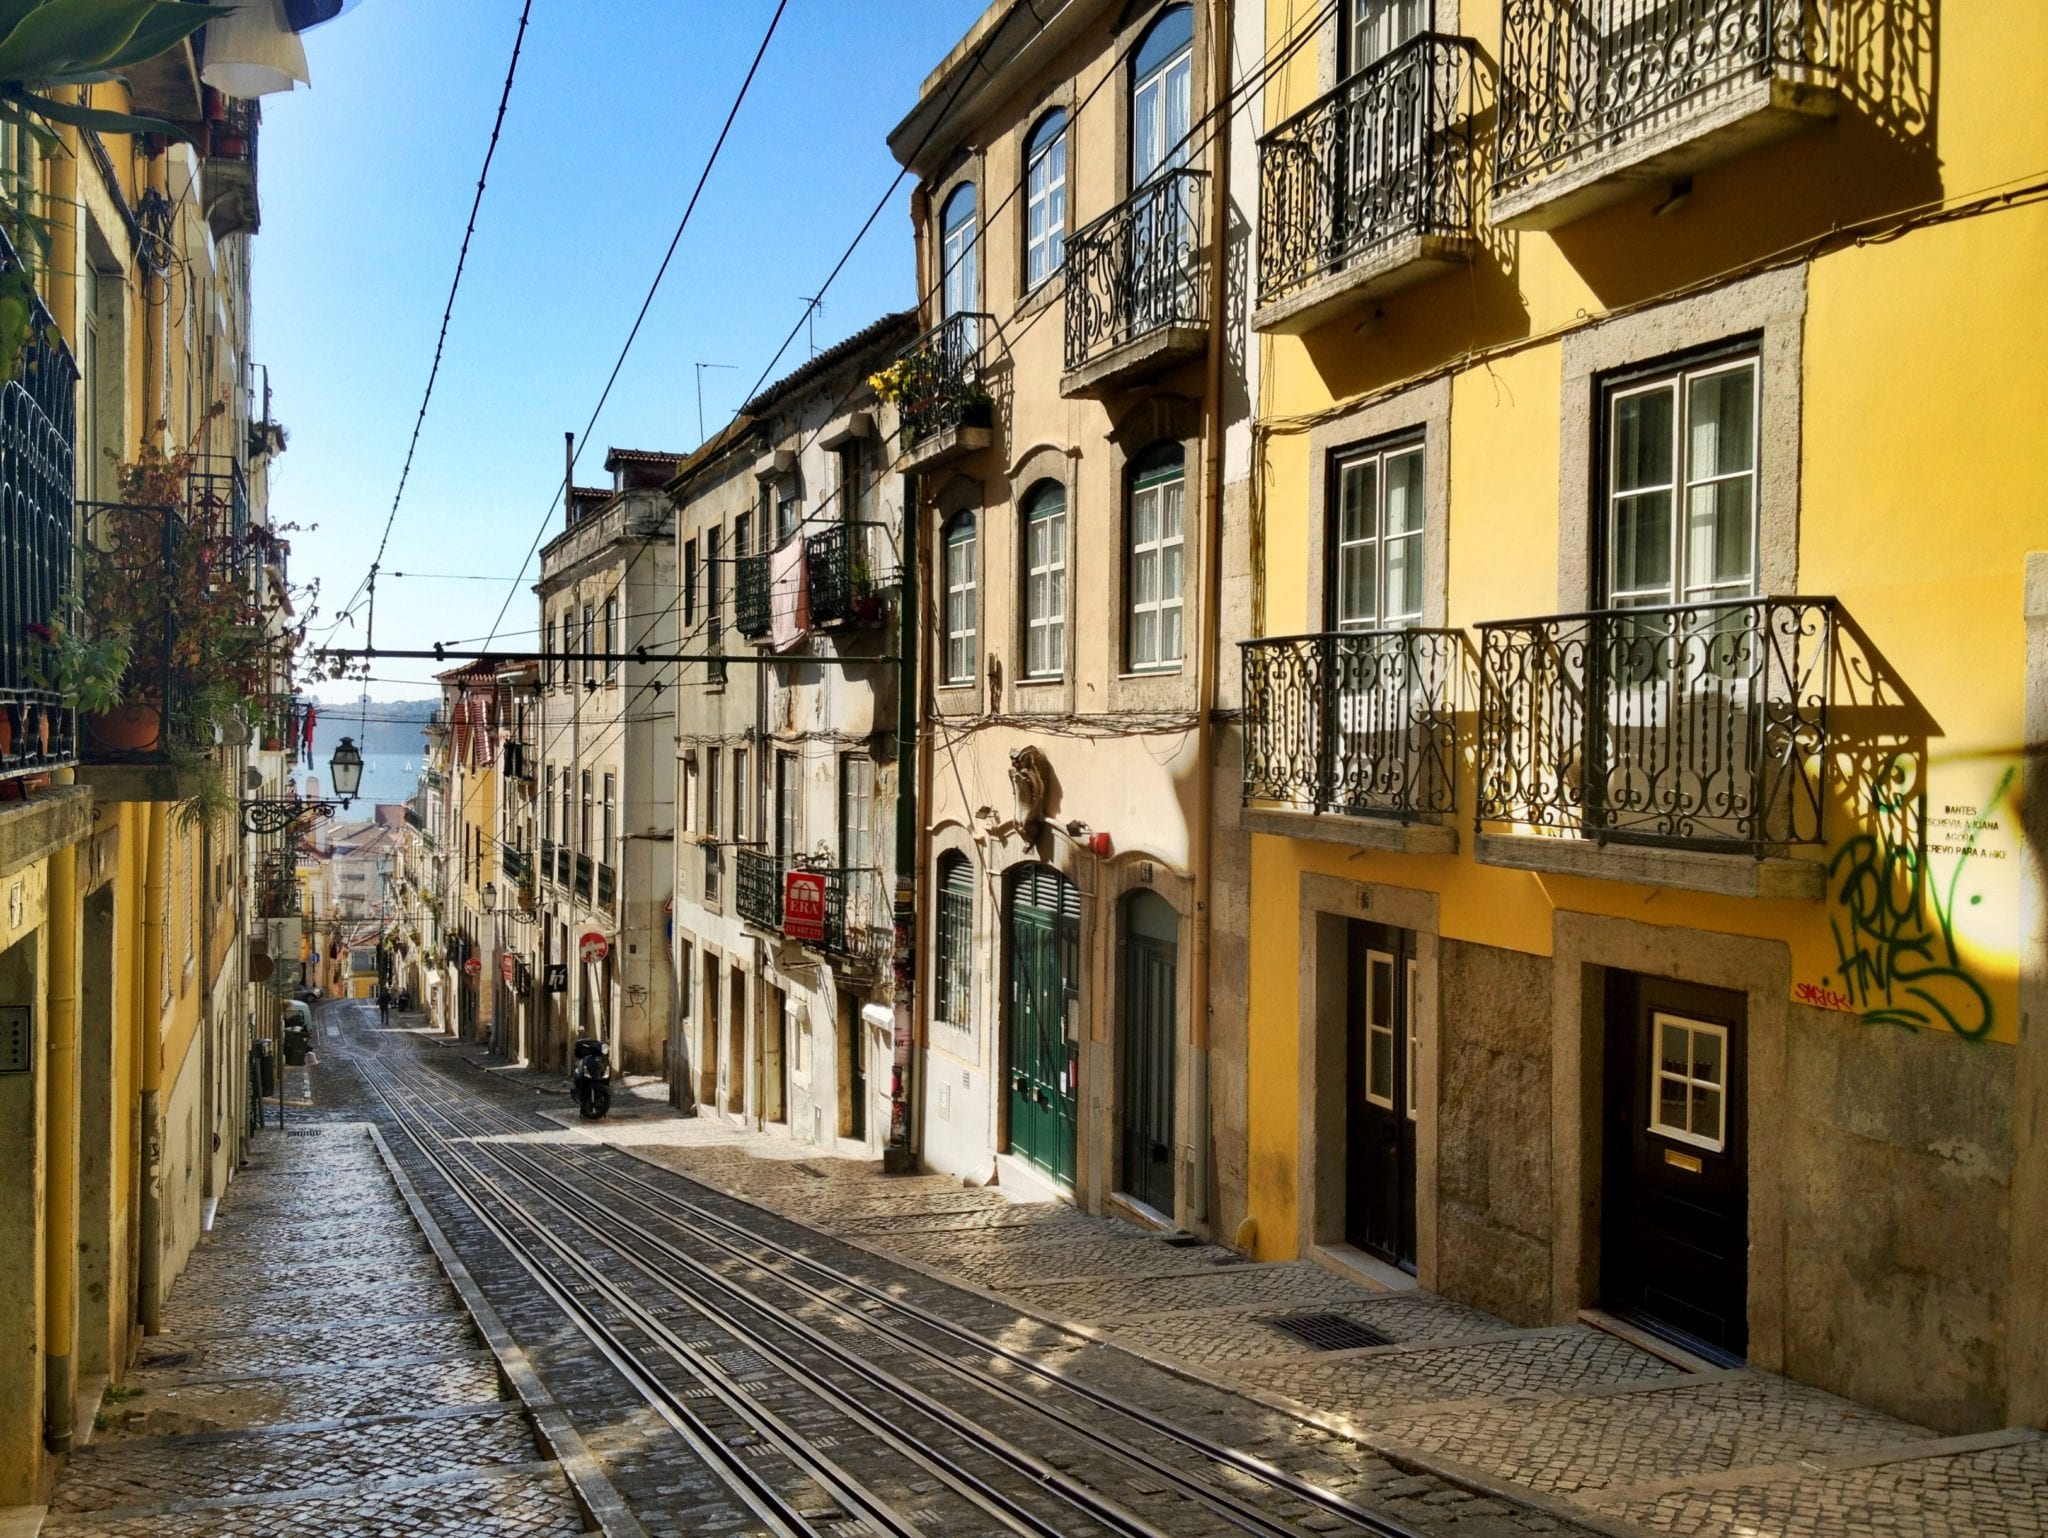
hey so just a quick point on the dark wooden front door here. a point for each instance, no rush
(1042, 1041)
(1379, 1184)
(1675, 1211)
(1146, 1028)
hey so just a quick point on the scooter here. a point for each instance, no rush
(590, 1080)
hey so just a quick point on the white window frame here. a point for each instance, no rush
(959, 252)
(1717, 1141)
(1350, 468)
(1375, 1027)
(1045, 582)
(1155, 551)
(1414, 1044)
(856, 798)
(961, 533)
(1045, 201)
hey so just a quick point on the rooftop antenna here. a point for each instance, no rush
(700, 367)
(813, 303)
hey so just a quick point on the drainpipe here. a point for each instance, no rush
(150, 1032)
(1199, 1159)
(60, 1255)
(900, 1154)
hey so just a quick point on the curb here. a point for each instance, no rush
(604, 1510)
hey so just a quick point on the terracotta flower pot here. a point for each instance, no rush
(125, 729)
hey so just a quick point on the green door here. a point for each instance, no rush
(1043, 1038)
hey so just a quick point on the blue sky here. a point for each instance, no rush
(366, 183)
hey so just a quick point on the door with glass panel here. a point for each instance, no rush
(1677, 660)
(1385, 117)
(1042, 1039)
(1381, 1092)
(1163, 222)
(1375, 689)
(1674, 1248)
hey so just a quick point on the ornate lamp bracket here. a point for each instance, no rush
(268, 815)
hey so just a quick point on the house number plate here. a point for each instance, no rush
(17, 1040)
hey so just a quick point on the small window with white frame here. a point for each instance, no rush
(1045, 580)
(1689, 1081)
(1379, 1029)
(1158, 491)
(960, 599)
(1376, 537)
(1045, 198)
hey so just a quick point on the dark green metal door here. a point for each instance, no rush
(1043, 1037)
(1146, 1028)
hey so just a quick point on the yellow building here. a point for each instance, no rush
(469, 704)
(1652, 581)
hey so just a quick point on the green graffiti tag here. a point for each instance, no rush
(1894, 930)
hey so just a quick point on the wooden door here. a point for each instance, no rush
(1042, 1041)
(1379, 1187)
(1147, 1027)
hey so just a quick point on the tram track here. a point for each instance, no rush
(457, 1131)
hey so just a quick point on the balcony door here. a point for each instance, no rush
(960, 272)
(1163, 219)
(1384, 121)
(1673, 749)
(1375, 587)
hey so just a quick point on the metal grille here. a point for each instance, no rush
(1329, 1332)
(606, 885)
(940, 376)
(843, 575)
(583, 868)
(750, 611)
(133, 549)
(1386, 155)
(1138, 269)
(757, 888)
(1585, 75)
(858, 924)
(1699, 725)
(1355, 721)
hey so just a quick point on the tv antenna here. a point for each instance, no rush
(700, 367)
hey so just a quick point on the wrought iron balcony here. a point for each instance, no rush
(1371, 183)
(1360, 722)
(130, 566)
(1582, 78)
(859, 921)
(1138, 273)
(228, 183)
(513, 861)
(1699, 725)
(583, 868)
(38, 731)
(607, 885)
(936, 383)
(751, 614)
(547, 859)
(757, 889)
(844, 574)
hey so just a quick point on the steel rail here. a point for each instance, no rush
(1005, 1509)
(1226, 1502)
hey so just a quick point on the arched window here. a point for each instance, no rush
(953, 967)
(1044, 520)
(1156, 573)
(1162, 75)
(959, 287)
(1045, 198)
(960, 599)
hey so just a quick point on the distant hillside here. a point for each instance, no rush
(389, 727)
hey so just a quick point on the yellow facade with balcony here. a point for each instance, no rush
(1650, 592)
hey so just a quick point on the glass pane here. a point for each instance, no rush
(1169, 504)
(1670, 1112)
(1672, 1056)
(1145, 133)
(1144, 634)
(1404, 492)
(1169, 582)
(1642, 440)
(1169, 634)
(1720, 423)
(1719, 547)
(1706, 1056)
(1145, 578)
(1145, 516)
(1057, 598)
(1706, 1113)
(1379, 1068)
(1642, 543)
(1355, 586)
(1354, 501)
(1404, 579)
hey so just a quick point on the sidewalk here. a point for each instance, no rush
(1570, 1419)
(317, 1374)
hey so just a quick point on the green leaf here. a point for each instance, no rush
(12, 14)
(14, 319)
(163, 29)
(97, 118)
(62, 35)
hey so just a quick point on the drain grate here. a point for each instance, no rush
(1182, 1241)
(1329, 1332)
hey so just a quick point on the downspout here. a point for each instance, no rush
(150, 1028)
(917, 666)
(900, 1155)
(60, 1254)
(1199, 1159)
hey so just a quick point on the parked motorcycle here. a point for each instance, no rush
(590, 1079)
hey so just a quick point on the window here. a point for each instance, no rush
(611, 636)
(1682, 481)
(740, 798)
(856, 481)
(583, 829)
(547, 806)
(1158, 487)
(711, 769)
(611, 820)
(856, 799)
(787, 786)
(953, 980)
(689, 582)
(1045, 580)
(1045, 198)
(960, 599)
(1376, 551)
(1379, 1029)
(1687, 1081)
(714, 672)
(959, 285)
(589, 636)
(568, 794)
(688, 811)
(1378, 27)
(1162, 72)
(789, 507)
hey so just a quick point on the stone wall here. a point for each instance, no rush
(1493, 1131)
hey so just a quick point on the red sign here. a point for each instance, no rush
(593, 946)
(474, 965)
(803, 905)
(507, 965)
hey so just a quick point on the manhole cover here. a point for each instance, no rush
(1329, 1332)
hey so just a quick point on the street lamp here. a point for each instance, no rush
(279, 814)
(490, 897)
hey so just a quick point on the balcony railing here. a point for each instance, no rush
(129, 565)
(1138, 269)
(1358, 722)
(583, 869)
(844, 574)
(757, 889)
(859, 921)
(939, 378)
(1699, 725)
(514, 862)
(37, 415)
(1581, 76)
(1384, 157)
(217, 499)
(751, 614)
(229, 181)
(606, 885)
(547, 859)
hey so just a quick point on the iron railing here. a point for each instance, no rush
(1362, 722)
(757, 889)
(751, 613)
(583, 869)
(845, 574)
(607, 885)
(547, 859)
(1385, 156)
(1139, 268)
(1581, 76)
(128, 565)
(217, 499)
(939, 377)
(1700, 725)
(38, 414)
(859, 920)
(513, 862)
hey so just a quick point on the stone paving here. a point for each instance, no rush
(317, 1375)
(1572, 1419)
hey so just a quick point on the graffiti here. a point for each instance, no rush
(1894, 918)
(1821, 997)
